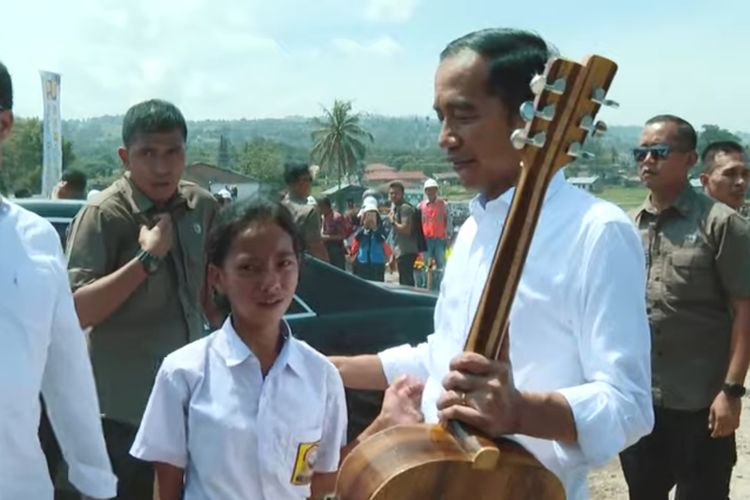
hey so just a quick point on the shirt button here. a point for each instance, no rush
(648, 310)
(657, 278)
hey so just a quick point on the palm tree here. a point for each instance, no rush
(339, 140)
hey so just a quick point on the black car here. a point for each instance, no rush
(334, 311)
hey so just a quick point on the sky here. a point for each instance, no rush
(228, 59)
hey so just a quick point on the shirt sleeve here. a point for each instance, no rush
(90, 247)
(406, 360)
(613, 409)
(333, 438)
(162, 436)
(731, 258)
(70, 397)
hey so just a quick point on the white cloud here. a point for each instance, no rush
(395, 11)
(383, 46)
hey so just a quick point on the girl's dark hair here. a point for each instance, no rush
(236, 217)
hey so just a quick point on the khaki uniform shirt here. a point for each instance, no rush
(698, 259)
(164, 313)
(307, 217)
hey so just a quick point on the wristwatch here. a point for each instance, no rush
(149, 261)
(734, 390)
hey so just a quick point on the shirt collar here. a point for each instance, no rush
(234, 351)
(682, 204)
(296, 199)
(480, 205)
(141, 204)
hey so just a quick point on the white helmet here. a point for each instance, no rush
(430, 183)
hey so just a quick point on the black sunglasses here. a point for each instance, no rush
(657, 151)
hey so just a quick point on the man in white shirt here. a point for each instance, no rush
(576, 388)
(44, 350)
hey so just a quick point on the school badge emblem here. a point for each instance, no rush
(304, 462)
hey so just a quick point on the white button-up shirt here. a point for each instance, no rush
(237, 434)
(578, 324)
(43, 349)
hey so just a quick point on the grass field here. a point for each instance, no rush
(626, 198)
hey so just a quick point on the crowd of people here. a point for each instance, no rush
(145, 401)
(374, 237)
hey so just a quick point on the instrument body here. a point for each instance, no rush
(450, 461)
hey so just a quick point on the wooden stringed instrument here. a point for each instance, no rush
(452, 461)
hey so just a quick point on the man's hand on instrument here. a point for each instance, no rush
(402, 402)
(480, 392)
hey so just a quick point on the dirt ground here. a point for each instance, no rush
(607, 483)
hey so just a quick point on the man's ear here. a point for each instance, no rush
(124, 157)
(6, 124)
(693, 158)
(704, 179)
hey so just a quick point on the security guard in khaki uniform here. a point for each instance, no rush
(308, 218)
(698, 302)
(137, 267)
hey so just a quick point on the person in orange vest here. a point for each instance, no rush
(434, 226)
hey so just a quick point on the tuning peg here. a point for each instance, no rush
(519, 139)
(596, 129)
(599, 98)
(576, 151)
(539, 84)
(600, 128)
(528, 111)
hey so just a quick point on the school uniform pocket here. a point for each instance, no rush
(299, 449)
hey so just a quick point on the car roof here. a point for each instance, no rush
(343, 287)
(51, 208)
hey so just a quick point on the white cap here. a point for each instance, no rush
(224, 193)
(92, 193)
(430, 183)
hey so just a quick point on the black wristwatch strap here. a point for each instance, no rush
(149, 261)
(734, 390)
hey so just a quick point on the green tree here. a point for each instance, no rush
(262, 159)
(339, 140)
(224, 157)
(22, 156)
(708, 134)
(713, 133)
(68, 154)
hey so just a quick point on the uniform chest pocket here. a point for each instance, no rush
(298, 452)
(31, 297)
(192, 238)
(692, 274)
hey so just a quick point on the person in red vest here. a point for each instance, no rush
(434, 226)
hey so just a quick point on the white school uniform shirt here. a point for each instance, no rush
(236, 434)
(43, 350)
(578, 324)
